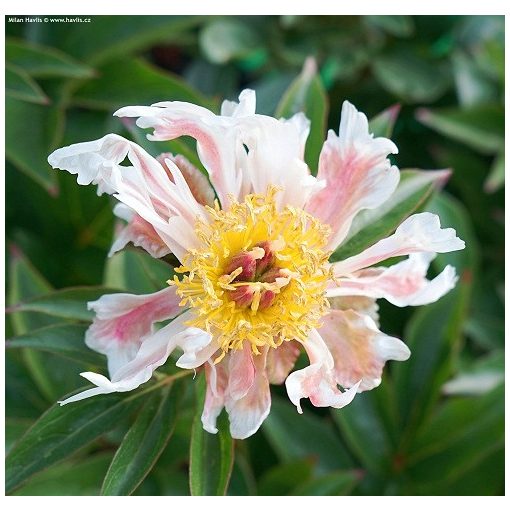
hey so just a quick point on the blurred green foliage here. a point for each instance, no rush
(434, 426)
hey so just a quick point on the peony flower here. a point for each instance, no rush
(255, 287)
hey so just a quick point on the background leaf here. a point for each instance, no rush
(211, 455)
(143, 443)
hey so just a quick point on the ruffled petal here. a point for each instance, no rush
(197, 182)
(122, 320)
(402, 284)
(144, 187)
(247, 413)
(218, 145)
(244, 108)
(139, 232)
(281, 361)
(419, 233)
(241, 372)
(317, 381)
(216, 379)
(357, 172)
(153, 352)
(361, 304)
(359, 349)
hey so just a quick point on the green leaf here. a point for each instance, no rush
(14, 429)
(409, 77)
(227, 39)
(306, 94)
(143, 443)
(383, 123)
(147, 85)
(434, 332)
(295, 436)
(136, 271)
(108, 37)
(365, 430)
(19, 85)
(43, 61)
(481, 127)
(25, 281)
(80, 477)
(370, 226)
(28, 139)
(70, 303)
(64, 339)
(335, 483)
(61, 431)
(283, 479)
(211, 455)
(461, 434)
(401, 26)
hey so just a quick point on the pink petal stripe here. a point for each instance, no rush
(418, 233)
(359, 349)
(357, 173)
(123, 320)
(403, 284)
(144, 187)
(154, 351)
(317, 381)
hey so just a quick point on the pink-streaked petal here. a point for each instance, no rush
(218, 146)
(144, 187)
(195, 179)
(317, 381)
(359, 349)
(281, 361)
(403, 284)
(122, 320)
(357, 172)
(241, 369)
(216, 380)
(139, 232)
(247, 414)
(419, 233)
(361, 304)
(153, 352)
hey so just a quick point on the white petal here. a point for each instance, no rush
(218, 146)
(317, 381)
(123, 320)
(217, 380)
(419, 233)
(247, 414)
(245, 107)
(402, 284)
(153, 353)
(144, 187)
(357, 172)
(359, 349)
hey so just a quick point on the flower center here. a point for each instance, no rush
(260, 274)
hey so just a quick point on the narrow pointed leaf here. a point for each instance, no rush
(20, 85)
(211, 455)
(63, 339)
(70, 303)
(60, 432)
(143, 443)
(43, 61)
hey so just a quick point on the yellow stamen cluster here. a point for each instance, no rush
(292, 293)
